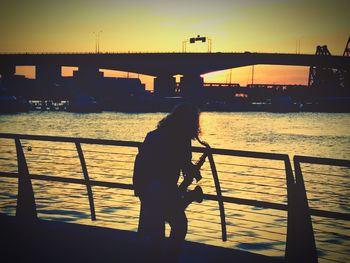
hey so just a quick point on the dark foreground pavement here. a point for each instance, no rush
(51, 241)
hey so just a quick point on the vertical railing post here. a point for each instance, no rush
(219, 195)
(87, 180)
(291, 250)
(26, 207)
(306, 238)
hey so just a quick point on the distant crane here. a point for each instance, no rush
(330, 81)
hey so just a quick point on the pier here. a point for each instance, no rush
(296, 237)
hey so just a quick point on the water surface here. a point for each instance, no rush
(249, 228)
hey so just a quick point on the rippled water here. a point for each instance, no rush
(249, 228)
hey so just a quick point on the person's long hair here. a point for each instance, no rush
(183, 120)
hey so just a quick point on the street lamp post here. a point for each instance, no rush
(209, 44)
(97, 41)
(184, 45)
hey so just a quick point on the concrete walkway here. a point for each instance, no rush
(50, 241)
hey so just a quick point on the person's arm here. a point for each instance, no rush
(188, 168)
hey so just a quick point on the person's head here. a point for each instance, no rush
(183, 121)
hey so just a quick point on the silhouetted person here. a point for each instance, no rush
(164, 153)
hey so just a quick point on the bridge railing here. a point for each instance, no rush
(274, 205)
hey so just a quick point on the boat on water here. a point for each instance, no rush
(283, 104)
(328, 104)
(84, 104)
(12, 104)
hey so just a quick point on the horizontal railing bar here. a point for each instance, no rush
(328, 202)
(53, 155)
(125, 212)
(70, 139)
(114, 168)
(323, 161)
(326, 183)
(106, 167)
(329, 214)
(251, 183)
(70, 180)
(191, 232)
(202, 220)
(57, 179)
(123, 202)
(75, 172)
(251, 166)
(274, 156)
(115, 176)
(325, 222)
(252, 212)
(11, 165)
(322, 193)
(326, 174)
(111, 185)
(51, 148)
(318, 230)
(249, 154)
(264, 238)
(259, 222)
(211, 230)
(31, 162)
(261, 230)
(117, 153)
(239, 153)
(8, 159)
(9, 174)
(111, 160)
(242, 201)
(207, 212)
(124, 222)
(245, 174)
(130, 187)
(251, 191)
(226, 189)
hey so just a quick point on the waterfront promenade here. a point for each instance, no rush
(282, 222)
(50, 241)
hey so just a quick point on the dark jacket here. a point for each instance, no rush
(159, 162)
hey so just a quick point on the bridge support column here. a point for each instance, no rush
(7, 72)
(87, 80)
(49, 80)
(191, 86)
(164, 86)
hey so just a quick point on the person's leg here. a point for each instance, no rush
(151, 219)
(178, 223)
(151, 228)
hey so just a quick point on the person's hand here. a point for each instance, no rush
(195, 172)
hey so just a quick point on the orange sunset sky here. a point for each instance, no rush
(162, 26)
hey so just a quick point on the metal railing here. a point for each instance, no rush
(300, 238)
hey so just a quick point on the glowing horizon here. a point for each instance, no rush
(263, 74)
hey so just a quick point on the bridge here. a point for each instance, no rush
(161, 65)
